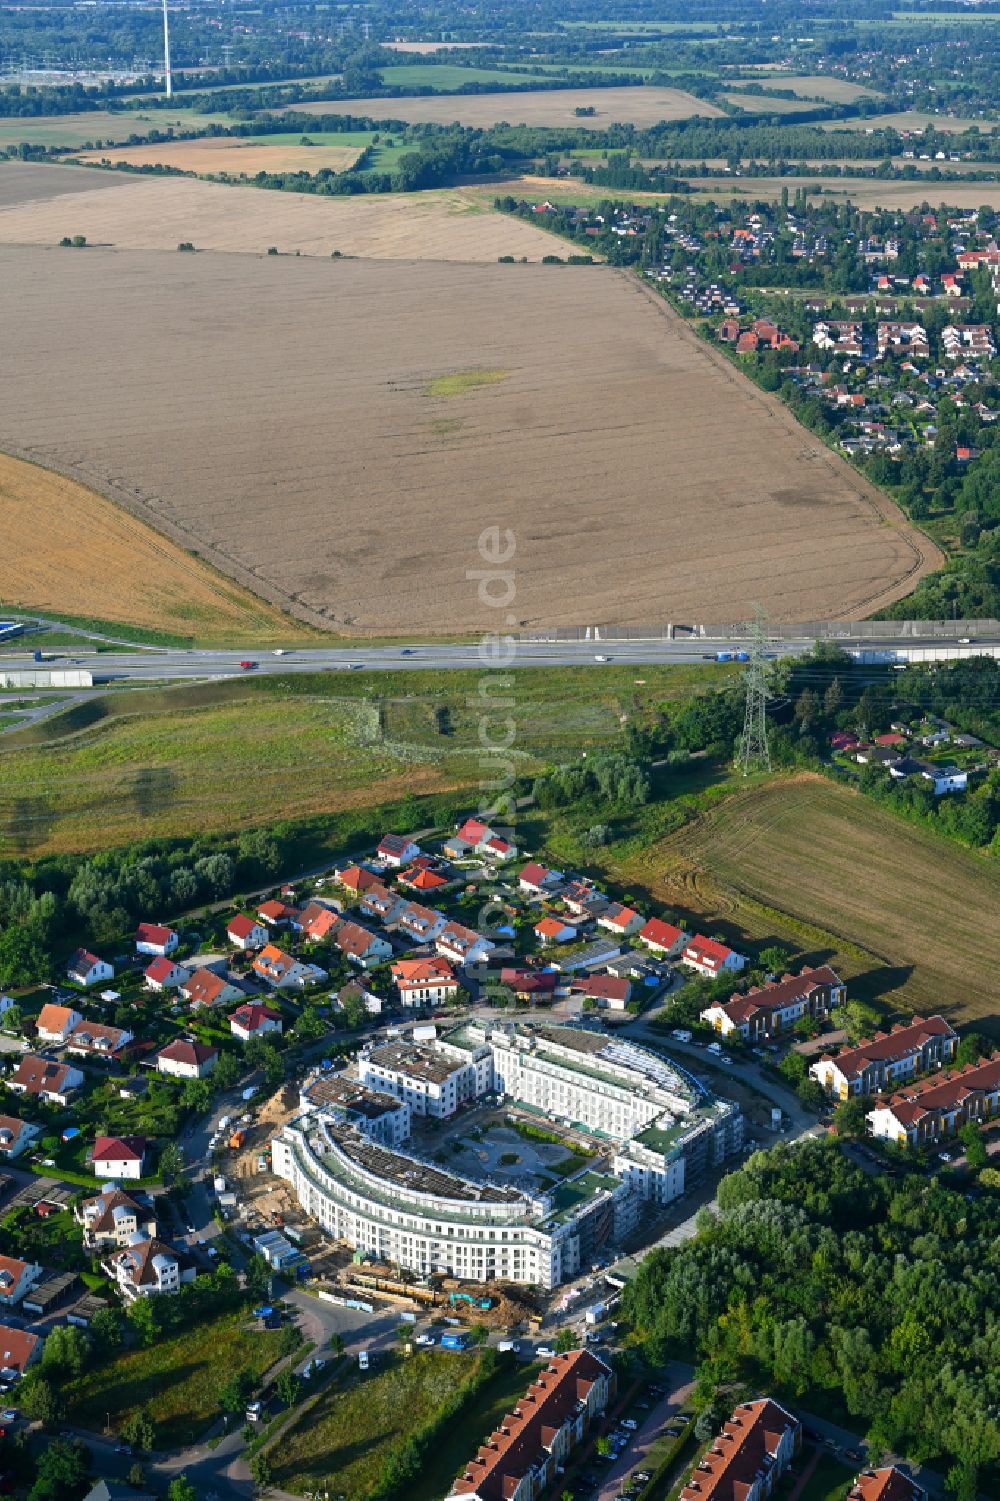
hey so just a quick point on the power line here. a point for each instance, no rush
(754, 749)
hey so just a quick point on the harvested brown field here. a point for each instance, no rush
(811, 86)
(68, 550)
(279, 416)
(215, 154)
(867, 193)
(637, 106)
(158, 213)
(838, 877)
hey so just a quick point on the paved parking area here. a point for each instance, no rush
(635, 1454)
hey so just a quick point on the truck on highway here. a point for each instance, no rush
(732, 656)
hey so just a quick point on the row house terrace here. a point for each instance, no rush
(766, 1011)
(902, 338)
(932, 1109)
(749, 1456)
(888, 1059)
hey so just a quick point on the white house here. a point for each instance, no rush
(422, 924)
(245, 933)
(253, 1020)
(16, 1279)
(97, 1040)
(622, 921)
(206, 988)
(87, 969)
(537, 879)
(19, 1349)
(55, 1023)
(151, 939)
(361, 946)
(424, 982)
(554, 930)
(147, 1268)
(463, 945)
(187, 1060)
(164, 974)
(663, 938)
(118, 1156)
(276, 968)
(49, 1081)
(396, 850)
(710, 958)
(15, 1135)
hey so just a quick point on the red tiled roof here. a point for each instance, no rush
(740, 1454)
(204, 986)
(706, 950)
(781, 993)
(422, 971)
(16, 1348)
(160, 970)
(53, 1018)
(887, 1484)
(895, 1044)
(534, 873)
(473, 829)
(241, 926)
(39, 1076)
(251, 1018)
(508, 1454)
(352, 939)
(151, 932)
(119, 1149)
(188, 1052)
(661, 934)
(928, 1095)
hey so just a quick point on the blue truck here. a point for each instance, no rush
(455, 1341)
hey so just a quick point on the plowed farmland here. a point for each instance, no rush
(636, 106)
(339, 435)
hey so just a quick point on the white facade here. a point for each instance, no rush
(420, 1077)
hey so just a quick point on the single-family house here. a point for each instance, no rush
(206, 988)
(382, 903)
(164, 974)
(275, 967)
(768, 1010)
(554, 930)
(360, 946)
(888, 1059)
(663, 938)
(254, 1020)
(355, 991)
(611, 992)
(396, 850)
(275, 914)
(186, 1060)
(119, 1156)
(316, 921)
(245, 933)
(708, 957)
(147, 1268)
(114, 1218)
(15, 1135)
(19, 1349)
(50, 1081)
(151, 938)
(87, 969)
(463, 945)
(422, 924)
(357, 878)
(422, 879)
(622, 921)
(530, 985)
(538, 880)
(425, 982)
(55, 1023)
(16, 1279)
(98, 1040)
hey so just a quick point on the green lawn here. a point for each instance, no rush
(344, 1440)
(829, 1481)
(76, 130)
(461, 1440)
(179, 1379)
(444, 77)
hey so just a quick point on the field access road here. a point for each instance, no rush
(143, 664)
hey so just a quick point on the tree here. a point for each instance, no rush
(137, 1476)
(139, 1430)
(972, 1047)
(288, 1386)
(24, 955)
(806, 710)
(603, 1446)
(181, 1489)
(146, 1319)
(859, 1020)
(171, 1162)
(197, 1096)
(38, 1401)
(226, 1072)
(566, 1340)
(106, 1329)
(811, 1094)
(851, 1117)
(989, 1177)
(237, 1391)
(260, 1469)
(976, 1155)
(62, 1471)
(258, 1276)
(65, 1352)
(833, 699)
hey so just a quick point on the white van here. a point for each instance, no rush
(362, 1360)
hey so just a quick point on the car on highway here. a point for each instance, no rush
(247, 665)
(600, 657)
(406, 651)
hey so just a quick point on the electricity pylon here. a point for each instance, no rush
(754, 750)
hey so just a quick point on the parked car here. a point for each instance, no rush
(545, 1351)
(424, 1340)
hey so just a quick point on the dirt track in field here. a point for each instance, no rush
(213, 154)
(41, 204)
(639, 105)
(276, 414)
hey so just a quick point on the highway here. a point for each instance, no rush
(147, 665)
